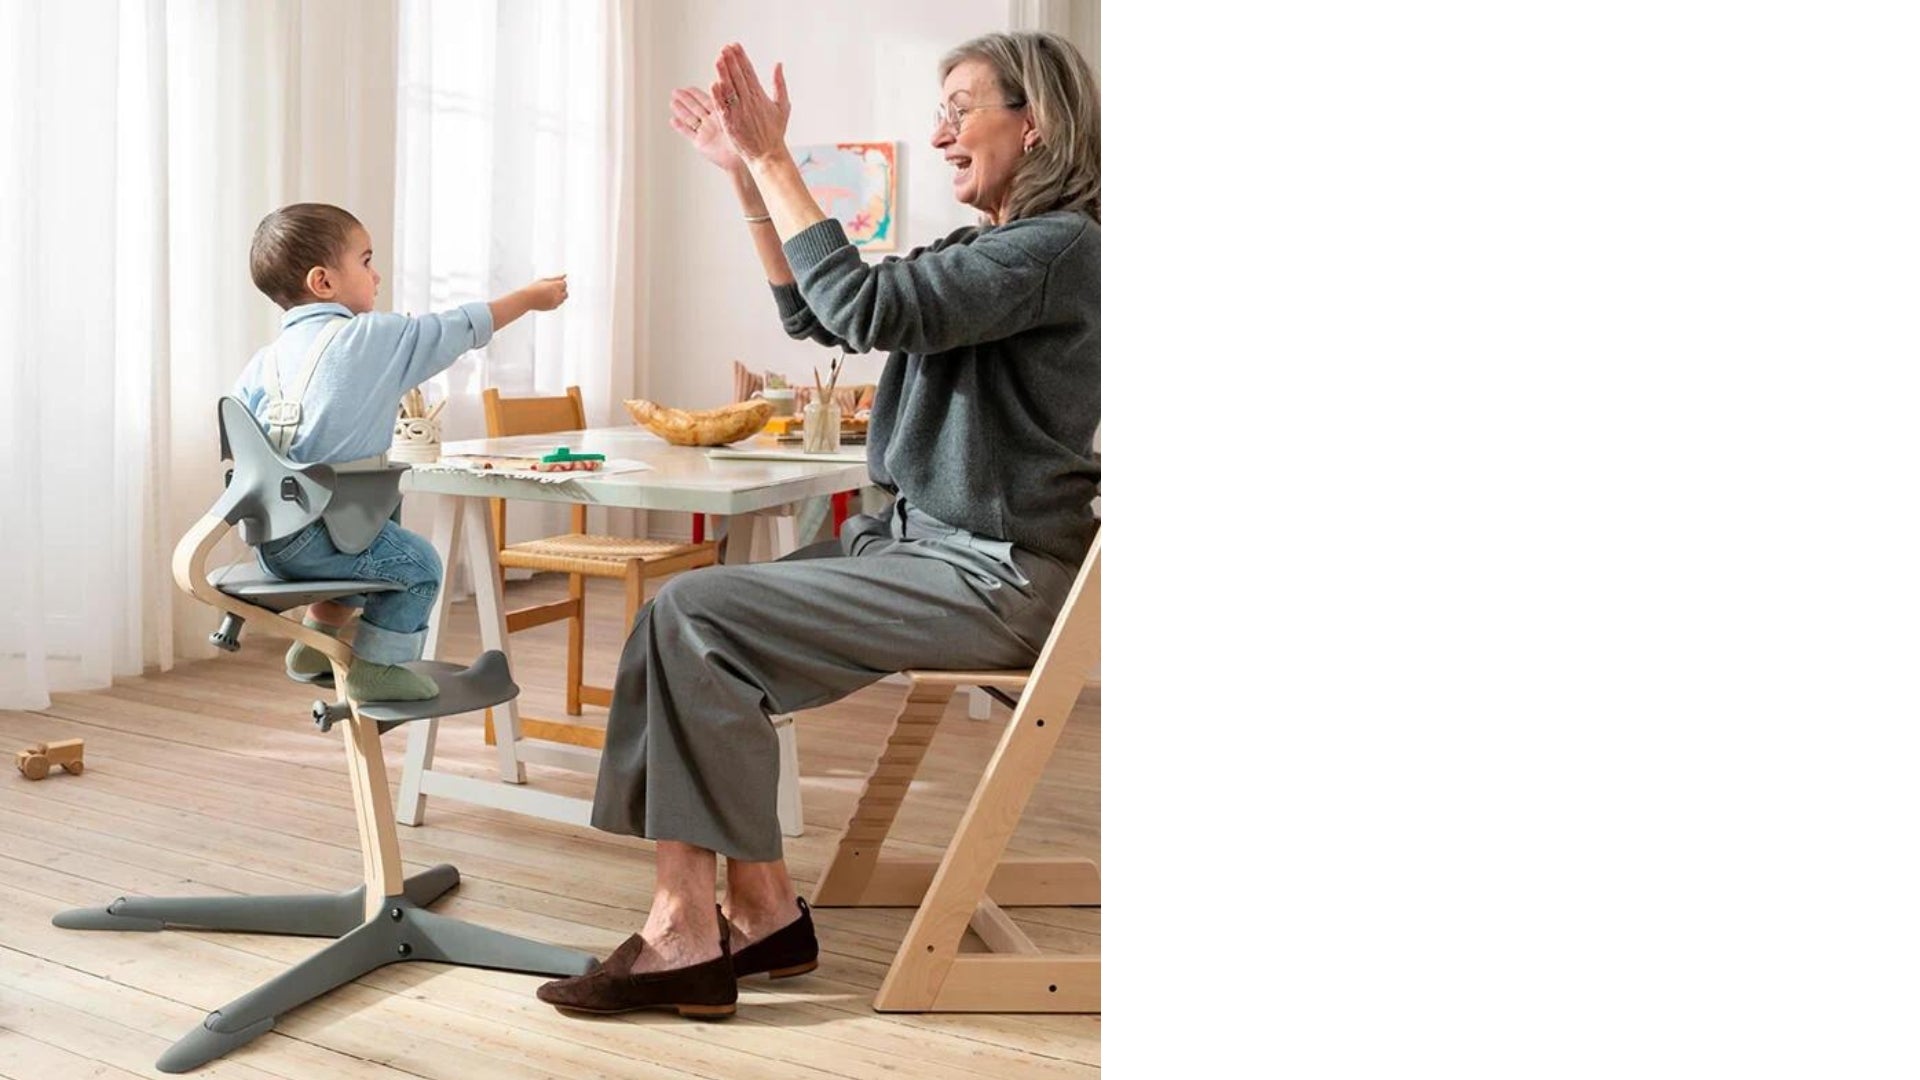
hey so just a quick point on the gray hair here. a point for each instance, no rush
(1047, 74)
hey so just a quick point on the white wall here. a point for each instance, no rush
(857, 70)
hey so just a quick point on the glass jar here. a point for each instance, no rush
(820, 428)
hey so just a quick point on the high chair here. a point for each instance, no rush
(578, 555)
(383, 920)
(973, 881)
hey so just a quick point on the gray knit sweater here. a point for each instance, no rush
(986, 409)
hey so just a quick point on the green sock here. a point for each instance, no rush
(368, 681)
(303, 660)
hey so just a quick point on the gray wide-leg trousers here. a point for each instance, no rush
(690, 754)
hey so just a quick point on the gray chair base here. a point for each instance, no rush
(404, 930)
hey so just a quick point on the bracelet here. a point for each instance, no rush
(758, 220)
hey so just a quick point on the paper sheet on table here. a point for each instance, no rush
(476, 465)
(781, 453)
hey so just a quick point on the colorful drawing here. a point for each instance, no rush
(855, 183)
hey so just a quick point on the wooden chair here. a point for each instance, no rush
(973, 881)
(580, 556)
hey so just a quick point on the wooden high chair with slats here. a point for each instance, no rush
(973, 881)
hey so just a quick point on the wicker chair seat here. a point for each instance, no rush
(598, 556)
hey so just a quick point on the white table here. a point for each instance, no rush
(680, 478)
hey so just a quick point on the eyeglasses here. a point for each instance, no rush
(951, 115)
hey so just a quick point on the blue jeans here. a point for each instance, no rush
(393, 627)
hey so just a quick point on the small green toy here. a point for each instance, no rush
(564, 460)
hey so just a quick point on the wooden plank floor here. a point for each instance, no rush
(211, 779)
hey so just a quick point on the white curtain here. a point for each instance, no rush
(517, 160)
(144, 139)
(75, 399)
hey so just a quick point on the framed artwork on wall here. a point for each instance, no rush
(856, 183)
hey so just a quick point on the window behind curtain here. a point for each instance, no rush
(509, 168)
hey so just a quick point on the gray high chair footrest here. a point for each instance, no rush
(247, 581)
(481, 685)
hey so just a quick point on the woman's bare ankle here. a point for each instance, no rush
(760, 899)
(677, 939)
(753, 921)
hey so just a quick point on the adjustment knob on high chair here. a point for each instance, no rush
(227, 637)
(327, 714)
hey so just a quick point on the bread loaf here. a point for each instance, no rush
(705, 427)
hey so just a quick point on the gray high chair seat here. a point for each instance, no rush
(384, 919)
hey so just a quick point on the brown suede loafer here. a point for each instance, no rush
(706, 991)
(791, 950)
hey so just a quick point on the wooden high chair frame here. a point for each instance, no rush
(973, 881)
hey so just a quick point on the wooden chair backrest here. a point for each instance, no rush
(532, 415)
(507, 417)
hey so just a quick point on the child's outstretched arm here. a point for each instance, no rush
(543, 295)
(429, 344)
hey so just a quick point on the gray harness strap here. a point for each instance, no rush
(362, 495)
(283, 411)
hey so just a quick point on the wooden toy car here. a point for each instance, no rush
(37, 760)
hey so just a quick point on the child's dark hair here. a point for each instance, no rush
(293, 240)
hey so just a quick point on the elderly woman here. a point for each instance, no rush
(982, 428)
